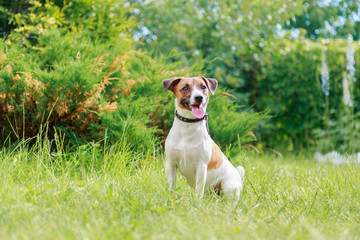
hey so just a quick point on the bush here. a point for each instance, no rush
(108, 20)
(91, 90)
(243, 46)
(225, 34)
(290, 87)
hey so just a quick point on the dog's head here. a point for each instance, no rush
(192, 93)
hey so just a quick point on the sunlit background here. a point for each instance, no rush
(84, 117)
(295, 60)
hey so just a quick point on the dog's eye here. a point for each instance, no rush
(203, 87)
(185, 88)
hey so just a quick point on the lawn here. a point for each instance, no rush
(116, 194)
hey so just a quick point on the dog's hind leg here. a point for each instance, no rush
(232, 187)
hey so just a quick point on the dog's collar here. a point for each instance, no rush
(190, 120)
(193, 120)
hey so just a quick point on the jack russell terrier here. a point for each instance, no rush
(189, 147)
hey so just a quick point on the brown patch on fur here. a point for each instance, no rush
(216, 157)
(181, 94)
(212, 83)
(199, 82)
(169, 84)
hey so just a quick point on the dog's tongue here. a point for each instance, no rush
(198, 111)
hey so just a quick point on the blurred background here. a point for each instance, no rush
(90, 69)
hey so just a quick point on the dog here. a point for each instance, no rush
(189, 147)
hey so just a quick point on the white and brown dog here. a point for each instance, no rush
(189, 147)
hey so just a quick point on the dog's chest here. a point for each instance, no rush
(190, 148)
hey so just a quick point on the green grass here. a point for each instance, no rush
(116, 194)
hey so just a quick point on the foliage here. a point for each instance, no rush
(290, 88)
(228, 35)
(108, 20)
(91, 90)
(65, 89)
(328, 19)
(8, 8)
(244, 46)
(222, 126)
(112, 193)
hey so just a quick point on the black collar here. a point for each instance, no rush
(193, 120)
(189, 120)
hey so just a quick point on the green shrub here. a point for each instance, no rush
(243, 47)
(226, 34)
(230, 124)
(106, 20)
(71, 67)
(90, 90)
(290, 87)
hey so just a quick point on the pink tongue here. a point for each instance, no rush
(198, 111)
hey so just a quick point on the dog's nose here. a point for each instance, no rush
(199, 99)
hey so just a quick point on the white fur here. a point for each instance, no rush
(188, 147)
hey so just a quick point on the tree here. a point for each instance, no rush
(225, 33)
(328, 19)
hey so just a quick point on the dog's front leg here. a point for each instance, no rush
(200, 178)
(171, 173)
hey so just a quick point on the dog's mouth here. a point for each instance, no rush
(198, 110)
(185, 103)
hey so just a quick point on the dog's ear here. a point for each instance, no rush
(169, 84)
(211, 83)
